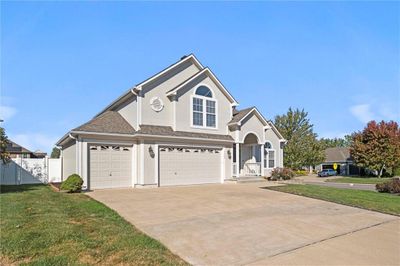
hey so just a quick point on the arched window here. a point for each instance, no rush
(204, 117)
(269, 155)
(204, 91)
(268, 145)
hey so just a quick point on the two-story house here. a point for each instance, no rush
(179, 127)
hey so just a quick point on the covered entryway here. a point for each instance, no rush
(110, 166)
(249, 156)
(188, 166)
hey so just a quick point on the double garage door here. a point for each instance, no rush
(110, 166)
(187, 166)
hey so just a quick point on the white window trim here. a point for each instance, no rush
(205, 99)
(266, 157)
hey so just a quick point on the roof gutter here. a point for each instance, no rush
(133, 90)
(103, 134)
(68, 135)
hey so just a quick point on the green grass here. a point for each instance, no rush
(369, 200)
(42, 227)
(359, 180)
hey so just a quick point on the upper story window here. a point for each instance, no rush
(204, 113)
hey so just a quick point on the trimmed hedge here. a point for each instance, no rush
(73, 184)
(391, 186)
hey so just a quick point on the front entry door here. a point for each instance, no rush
(250, 155)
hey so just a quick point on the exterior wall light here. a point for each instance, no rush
(151, 152)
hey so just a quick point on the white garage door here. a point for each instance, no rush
(186, 166)
(110, 166)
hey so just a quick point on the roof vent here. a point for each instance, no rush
(183, 57)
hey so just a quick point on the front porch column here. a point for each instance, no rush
(237, 159)
(262, 159)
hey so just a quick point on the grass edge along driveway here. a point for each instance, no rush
(359, 180)
(43, 227)
(370, 200)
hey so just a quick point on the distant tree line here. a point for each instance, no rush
(336, 142)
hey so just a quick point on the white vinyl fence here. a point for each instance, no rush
(30, 171)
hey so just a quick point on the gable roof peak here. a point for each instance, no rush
(138, 87)
(207, 71)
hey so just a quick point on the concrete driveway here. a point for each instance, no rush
(237, 224)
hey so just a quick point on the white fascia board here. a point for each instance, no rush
(282, 139)
(234, 102)
(139, 86)
(103, 134)
(213, 77)
(240, 121)
(259, 115)
(173, 92)
(262, 118)
(117, 101)
(64, 138)
(189, 57)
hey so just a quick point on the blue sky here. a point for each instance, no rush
(63, 62)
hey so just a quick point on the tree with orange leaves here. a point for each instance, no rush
(377, 147)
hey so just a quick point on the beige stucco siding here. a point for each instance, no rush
(228, 162)
(150, 163)
(128, 110)
(251, 124)
(159, 89)
(69, 160)
(184, 107)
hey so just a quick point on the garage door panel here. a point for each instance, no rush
(110, 166)
(186, 166)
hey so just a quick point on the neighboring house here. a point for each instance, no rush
(178, 127)
(39, 154)
(17, 151)
(341, 157)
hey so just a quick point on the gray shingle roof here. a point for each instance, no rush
(168, 131)
(13, 147)
(338, 154)
(240, 114)
(113, 122)
(107, 122)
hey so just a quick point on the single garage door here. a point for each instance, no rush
(110, 166)
(186, 166)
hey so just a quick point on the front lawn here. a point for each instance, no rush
(359, 180)
(369, 200)
(42, 227)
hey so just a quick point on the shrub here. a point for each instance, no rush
(301, 172)
(391, 186)
(72, 184)
(396, 171)
(281, 174)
